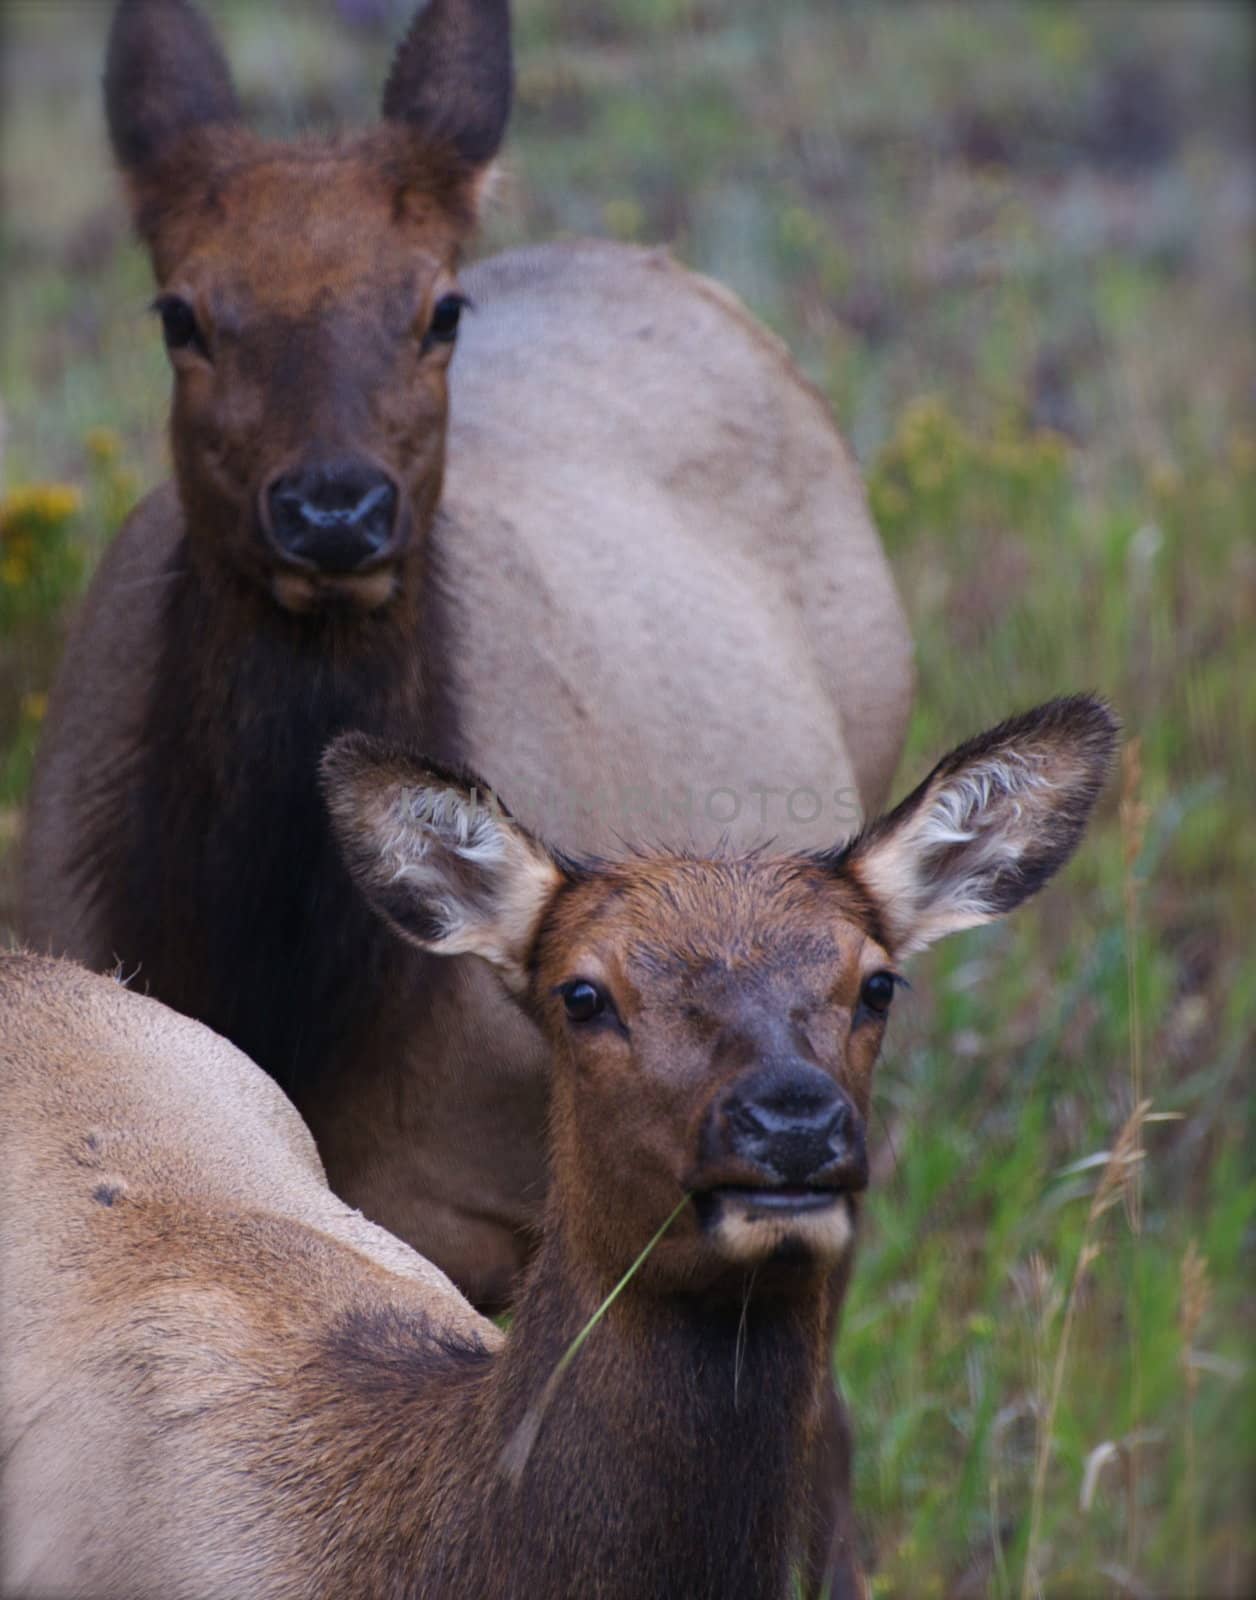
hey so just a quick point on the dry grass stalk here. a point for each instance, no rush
(1119, 1172)
(1007, 1418)
(1134, 814)
(1192, 1306)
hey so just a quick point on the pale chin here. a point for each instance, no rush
(745, 1236)
(304, 593)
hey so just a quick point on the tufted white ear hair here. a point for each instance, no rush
(437, 854)
(989, 825)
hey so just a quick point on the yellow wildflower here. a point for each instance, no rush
(41, 504)
(103, 444)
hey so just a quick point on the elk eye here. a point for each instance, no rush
(443, 328)
(583, 1000)
(878, 991)
(179, 325)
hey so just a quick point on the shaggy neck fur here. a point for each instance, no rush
(227, 846)
(669, 1461)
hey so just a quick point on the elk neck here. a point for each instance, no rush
(221, 811)
(669, 1458)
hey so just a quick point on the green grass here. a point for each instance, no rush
(1012, 244)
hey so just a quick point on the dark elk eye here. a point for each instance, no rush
(443, 328)
(179, 325)
(878, 991)
(583, 1000)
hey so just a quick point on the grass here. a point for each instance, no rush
(1012, 245)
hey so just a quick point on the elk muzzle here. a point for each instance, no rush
(781, 1153)
(337, 518)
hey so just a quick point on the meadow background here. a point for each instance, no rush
(1012, 243)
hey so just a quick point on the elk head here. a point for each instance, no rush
(715, 1023)
(308, 294)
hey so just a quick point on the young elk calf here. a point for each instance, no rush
(222, 1382)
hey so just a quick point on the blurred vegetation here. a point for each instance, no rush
(1013, 245)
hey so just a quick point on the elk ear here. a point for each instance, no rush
(451, 82)
(989, 825)
(165, 77)
(437, 855)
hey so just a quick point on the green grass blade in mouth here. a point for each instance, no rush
(519, 1446)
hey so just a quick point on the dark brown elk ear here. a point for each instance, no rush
(165, 76)
(437, 855)
(989, 825)
(451, 79)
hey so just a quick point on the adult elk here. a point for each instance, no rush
(222, 1382)
(645, 569)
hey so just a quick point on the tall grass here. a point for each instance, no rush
(1119, 1176)
(1133, 815)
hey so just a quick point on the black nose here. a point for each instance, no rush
(334, 515)
(794, 1124)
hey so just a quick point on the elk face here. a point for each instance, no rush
(308, 294)
(715, 1023)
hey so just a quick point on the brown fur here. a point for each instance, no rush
(641, 563)
(220, 1381)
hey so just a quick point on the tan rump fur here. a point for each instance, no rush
(166, 1232)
